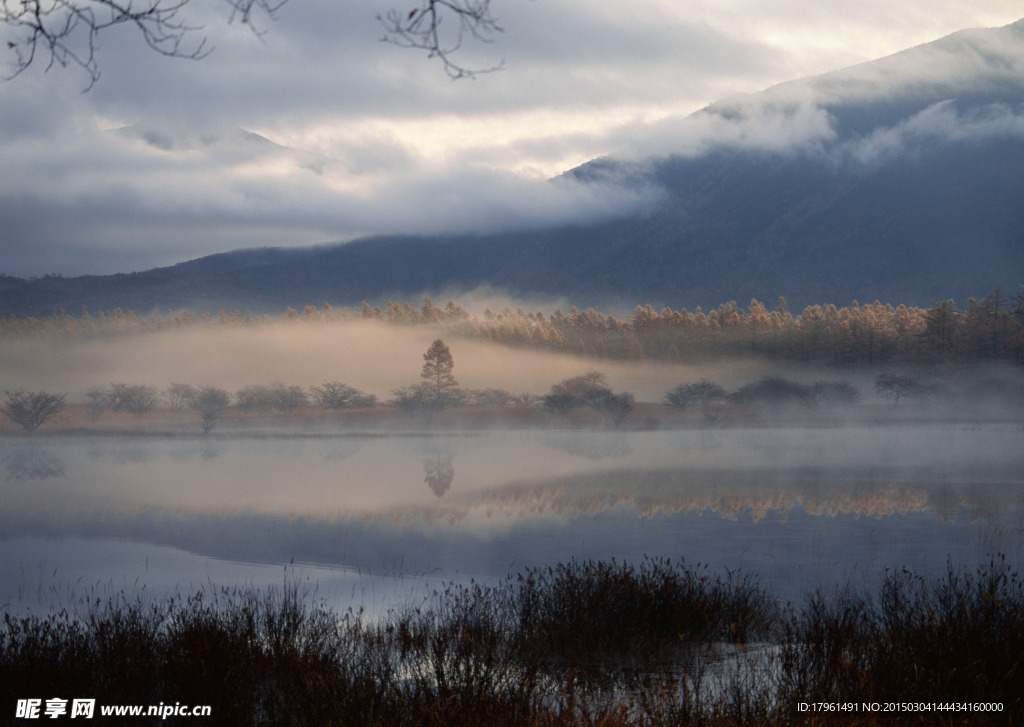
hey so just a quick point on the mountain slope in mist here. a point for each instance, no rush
(899, 180)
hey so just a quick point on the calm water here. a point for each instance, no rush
(373, 519)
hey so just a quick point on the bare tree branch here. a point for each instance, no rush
(65, 32)
(423, 28)
(243, 10)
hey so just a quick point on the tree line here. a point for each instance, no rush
(438, 389)
(986, 329)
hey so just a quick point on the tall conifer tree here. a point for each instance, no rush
(439, 383)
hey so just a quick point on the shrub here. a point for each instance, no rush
(599, 611)
(707, 394)
(31, 409)
(831, 394)
(286, 399)
(589, 390)
(496, 398)
(602, 643)
(337, 395)
(255, 399)
(262, 400)
(134, 398)
(211, 403)
(952, 639)
(774, 392)
(179, 395)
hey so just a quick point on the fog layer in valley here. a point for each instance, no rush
(801, 495)
(376, 358)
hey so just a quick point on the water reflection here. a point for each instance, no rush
(791, 505)
(591, 445)
(33, 463)
(514, 475)
(439, 471)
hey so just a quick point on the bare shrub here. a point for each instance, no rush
(497, 398)
(98, 400)
(707, 394)
(774, 392)
(900, 386)
(255, 399)
(526, 400)
(286, 399)
(589, 390)
(211, 404)
(31, 409)
(338, 395)
(179, 395)
(134, 398)
(830, 394)
(261, 399)
(410, 399)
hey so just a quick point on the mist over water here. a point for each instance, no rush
(373, 518)
(374, 505)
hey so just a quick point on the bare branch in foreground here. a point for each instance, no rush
(66, 32)
(423, 28)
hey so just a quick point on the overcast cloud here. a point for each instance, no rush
(159, 163)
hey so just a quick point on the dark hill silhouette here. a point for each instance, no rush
(900, 180)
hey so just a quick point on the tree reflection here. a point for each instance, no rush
(439, 471)
(593, 447)
(33, 463)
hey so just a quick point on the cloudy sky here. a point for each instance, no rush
(158, 163)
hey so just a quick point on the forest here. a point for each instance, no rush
(817, 364)
(987, 329)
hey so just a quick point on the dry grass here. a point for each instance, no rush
(608, 644)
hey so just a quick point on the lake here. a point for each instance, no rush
(370, 520)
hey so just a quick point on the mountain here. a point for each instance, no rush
(900, 180)
(232, 145)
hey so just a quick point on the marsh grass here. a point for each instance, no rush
(959, 638)
(617, 615)
(579, 643)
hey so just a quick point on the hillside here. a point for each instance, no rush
(899, 180)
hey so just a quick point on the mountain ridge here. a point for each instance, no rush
(897, 180)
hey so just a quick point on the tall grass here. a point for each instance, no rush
(609, 613)
(954, 639)
(579, 643)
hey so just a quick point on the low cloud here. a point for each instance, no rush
(207, 190)
(749, 127)
(963, 88)
(375, 139)
(815, 131)
(939, 123)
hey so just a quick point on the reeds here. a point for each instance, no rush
(580, 643)
(609, 613)
(957, 639)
